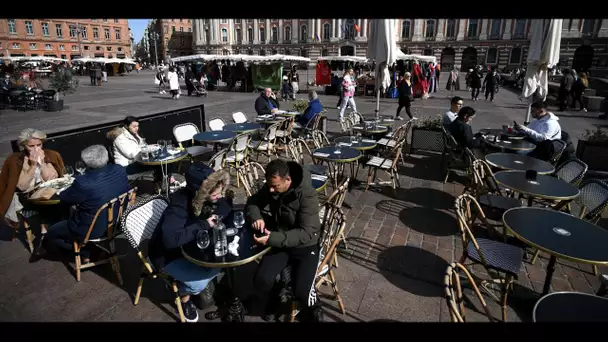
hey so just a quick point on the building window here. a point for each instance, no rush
(74, 48)
(492, 56)
(326, 31)
(274, 51)
(515, 57)
(495, 29)
(250, 20)
(349, 29)
(275, 34)
(260, 20)
(117, 33)
(589, 27)
(520, 29)
(287, 33)
(224, 35)
(107, 33)
(59, 29)
(237, 21)
(73, 33)
(109, 48)
(115, 21)
(29, 28)
(12, 26)
(262, 34)
(430, 29)
(95, 33)
(172, 29)
(450, 28)
(250, 52)
(303, 32)
(473, 29)
(48, 47)
(119, 49)
(324, 52)
(16, 46)
(262, 52)
(181, 41)
(406, 27)
(32, 46)
(166, 29)
(189, 29)
(105, 20)
(62, 47)
(239, 36)
(287, 52)
(223, 21)
(98, 48)
(250, 34)
(45, 29)
(86, 48)
(181, 29)
(304, 53)
(83, 32)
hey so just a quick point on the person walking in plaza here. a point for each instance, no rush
(348, 91)
(292, 229)
(405, 96)
(475, 82)
(491, 83)
(160, 80)
(565, 88)
(578, 89)
(173, 79)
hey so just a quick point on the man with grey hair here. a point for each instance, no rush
(267, 103)
(100, 183)
(314, 107)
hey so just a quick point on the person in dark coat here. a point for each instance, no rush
(267, 103)
(193, 209)
(461, 129)
(491, 83)
(405, 96)
(189, 77)
(565, 88)
(292, 229)
(475, 82)
(314, 107)
(89, 192)
(92, 75)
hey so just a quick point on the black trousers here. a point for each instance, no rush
(404, 102)
(304, 262)
(577, 97)
(490, 91)
(564, 97)
(474, 93)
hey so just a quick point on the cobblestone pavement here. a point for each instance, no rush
(398, 242)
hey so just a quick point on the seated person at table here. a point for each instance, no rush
(5, 83)
(292, 228)
(126, 145)
(266, 103)
(545, 126)
(21, 171)
(461, 129)
(192, 209)
(455, 105)
(101, 183)
(314, 107)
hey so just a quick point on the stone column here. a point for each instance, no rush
(295, 30)
(462, 28)
(268, 31)
(574, 31)
(231, 32)
(311, 30)
(508, 27)
(440, 29)
(280, 29)
(364, 29)
(216, 30)
(256, 32)
(484, 29)
(359, 24)
(603, 28)
(418, 36)
(339, 28)
(332, 34)
(319, 29)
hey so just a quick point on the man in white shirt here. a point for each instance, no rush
(545, 127)
(451, 115)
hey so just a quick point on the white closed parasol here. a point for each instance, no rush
(542, 55)
(382, 47)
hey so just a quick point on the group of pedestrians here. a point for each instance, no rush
(571, 89)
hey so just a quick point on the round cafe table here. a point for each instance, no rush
(558, 234)
(363, 145)
(511, 161)
(246, 127)
(511, 145)
(378, 129)
(544, 187)
(248, 251)
(164, 166)
(498, 132)
(214, 137)
(319, 182)
(337, 161)
(571, 307)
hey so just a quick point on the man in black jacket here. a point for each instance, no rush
(565, 87)
(192, 209)
(461, 129)
(291, 227)
(266, 103)
(491, 83)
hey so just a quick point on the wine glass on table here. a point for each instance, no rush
(239, 220)
(81, 167)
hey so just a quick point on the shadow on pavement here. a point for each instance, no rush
(429, 221)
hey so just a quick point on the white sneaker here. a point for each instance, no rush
(398, 118)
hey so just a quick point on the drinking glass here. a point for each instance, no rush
(68, 170)
(359, 137)
(202, 239)
(80, 167)
(338, 149)
(239, 219)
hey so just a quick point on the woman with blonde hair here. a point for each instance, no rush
(23, 170)
(405, 96)
(348, 89)
(578, 89)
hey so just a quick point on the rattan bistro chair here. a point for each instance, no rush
(454, 295)
(139, 223)
(184, 133)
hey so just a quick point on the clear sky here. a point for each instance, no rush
(137, 27)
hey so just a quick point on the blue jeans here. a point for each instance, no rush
(193, 279)
(59, 236)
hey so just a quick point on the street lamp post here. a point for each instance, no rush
(154, 37)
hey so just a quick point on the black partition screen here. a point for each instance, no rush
(152, 127)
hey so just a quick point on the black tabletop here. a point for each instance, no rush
(243, 127)
(498, 132)
(510, 161)
(319, 182)
(571, 307)
(169, 158)
(214, 136)
(514, 145)
(348, 154)
(547, 187)
(364, 144)
(248, 250)
(558, 233)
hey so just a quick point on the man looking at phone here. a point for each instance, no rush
(291, 226)
(267, 103)
(545, 126)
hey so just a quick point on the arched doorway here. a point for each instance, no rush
(428, 52)
(347, 50)
(469, 59)
(583, 58)
(448, 57)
